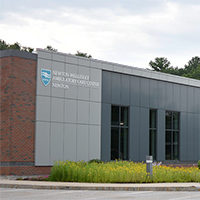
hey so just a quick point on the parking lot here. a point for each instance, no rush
(39, 194)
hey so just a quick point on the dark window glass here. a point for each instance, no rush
(152, 150)
(175, 137)
(152, 118)
(168, 152)
(114, 143)
(168, 136)
(176, 121)
(172, 136)
(115, 115)
(152, 133)
(119, 133)
(175, 152)
(168, 120)
(124, 116)
(124, 144)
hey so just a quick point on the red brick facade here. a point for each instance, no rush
(17, 107)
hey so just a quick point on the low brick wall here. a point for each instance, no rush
(25, 170)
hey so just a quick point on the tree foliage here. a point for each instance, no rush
(50, 48)
(83, 54)
(16, 45)
(160, 64)
(190, 70)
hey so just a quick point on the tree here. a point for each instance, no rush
(192, 64)
(83, 54)
(191, 70)
(160, 64)
(50, 48)
(16, 45)
(193, 73)
(3, 45)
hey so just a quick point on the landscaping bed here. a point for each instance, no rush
(120, 172)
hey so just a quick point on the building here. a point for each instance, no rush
(57, 106)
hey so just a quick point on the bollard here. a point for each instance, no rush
(149, 161)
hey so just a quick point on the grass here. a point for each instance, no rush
(120, 172)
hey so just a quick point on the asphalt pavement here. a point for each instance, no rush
(39, 194)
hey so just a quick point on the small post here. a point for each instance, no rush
(149, 161)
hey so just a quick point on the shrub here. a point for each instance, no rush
(95, 161)
(120, 172)
(199, 164)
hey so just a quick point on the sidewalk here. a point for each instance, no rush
(100, 186)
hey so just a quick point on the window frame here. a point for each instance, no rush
(150, 132)
(172, 132)
(119, 126)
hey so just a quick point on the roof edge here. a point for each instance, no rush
(17, 53)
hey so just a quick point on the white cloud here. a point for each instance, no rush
(115, 34)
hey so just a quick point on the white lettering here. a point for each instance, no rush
(80, 76)
(58, 85)
(60, 78)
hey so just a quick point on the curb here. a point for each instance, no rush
(54, 187)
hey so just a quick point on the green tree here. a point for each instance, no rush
(16, 45)
(191, 70)
(193, 73)
(160, 64)
(83, 54)
(192, 64)
(50, 48)
(3, 45)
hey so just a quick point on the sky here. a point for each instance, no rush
(129, 32)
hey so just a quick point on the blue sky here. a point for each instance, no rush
(129, 32)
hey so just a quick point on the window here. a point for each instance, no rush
(119, 132)
(152, 133)
(172, 135)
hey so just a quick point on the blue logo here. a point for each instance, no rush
(46, 76)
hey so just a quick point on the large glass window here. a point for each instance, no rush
(152, 133)
(119, 132)
(172, 135)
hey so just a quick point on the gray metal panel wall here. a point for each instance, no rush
(191, 106)
(184, 98)
(72, 113)
(116, 88)
(105, 131)
(145, 94)
(144, 133)
(177, 97)
(196, 100)
(57, 145)
(153, 94)
(169, 96)
(196, 137)
(135, 91)
(183, 137)
(134, 134)
(106, 87)
(160, 140)
(190, 138)
(199, 138)
(125, 90)
(161, 94)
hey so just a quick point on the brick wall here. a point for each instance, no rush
(17, 107)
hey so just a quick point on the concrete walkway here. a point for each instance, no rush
(100, 186)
